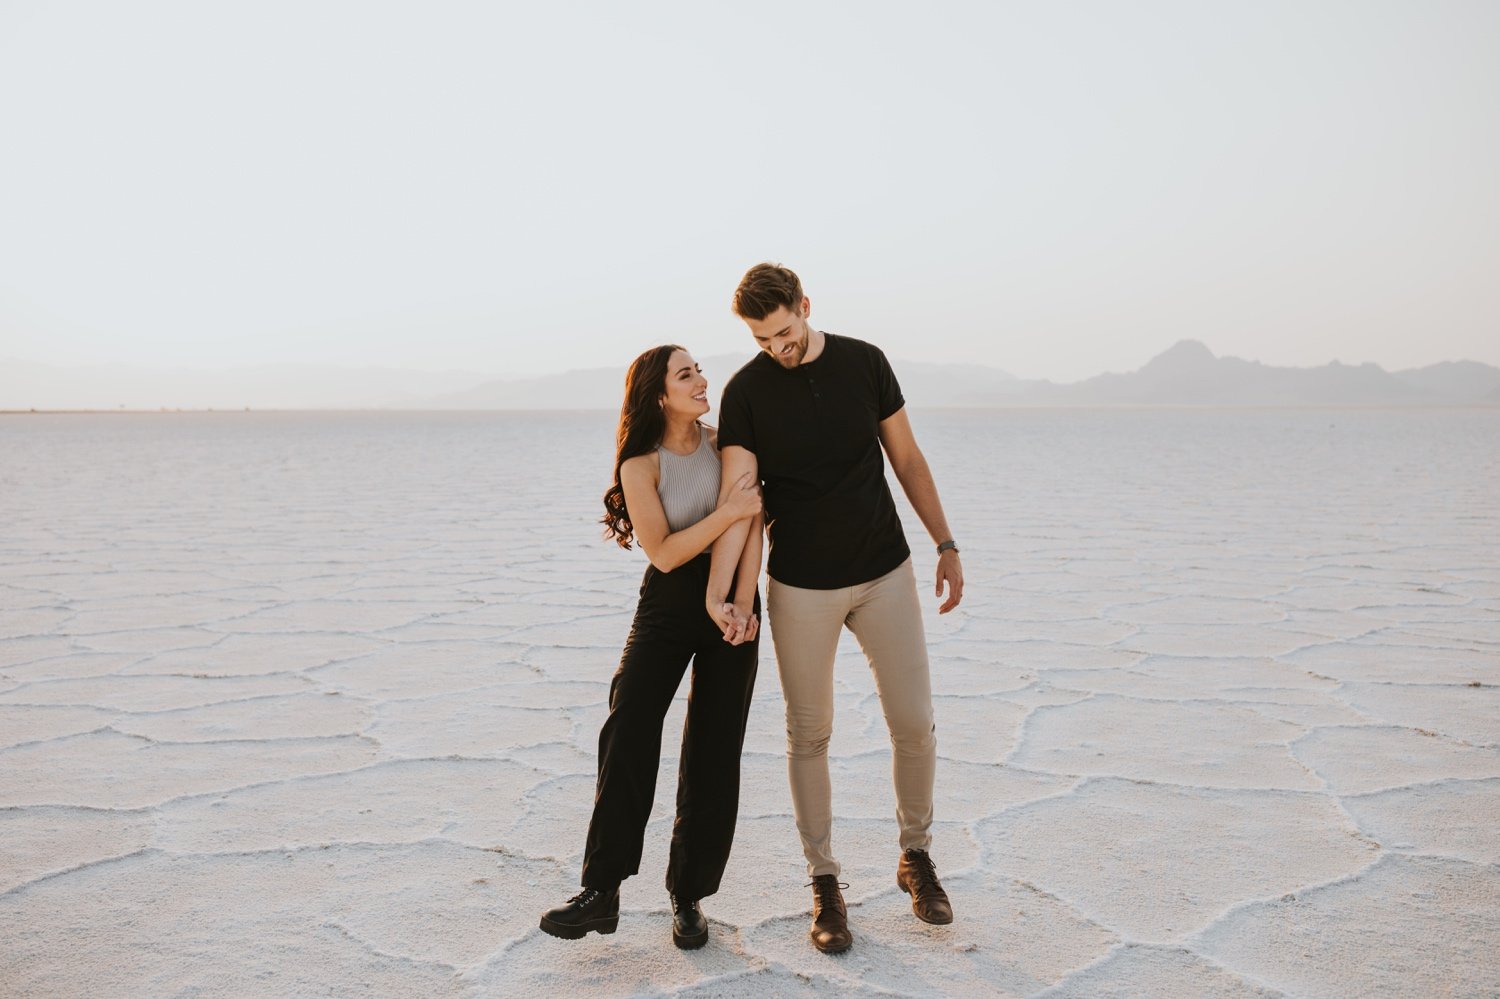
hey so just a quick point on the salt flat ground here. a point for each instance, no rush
(306, 704)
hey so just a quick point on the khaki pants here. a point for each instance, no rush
(886, 618)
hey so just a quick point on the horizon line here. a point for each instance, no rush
(522, 376)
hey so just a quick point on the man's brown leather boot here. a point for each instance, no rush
(916, 876)
(830, 918)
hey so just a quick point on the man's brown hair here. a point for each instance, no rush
(764, 288)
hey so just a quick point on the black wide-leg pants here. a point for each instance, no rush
(671, 629)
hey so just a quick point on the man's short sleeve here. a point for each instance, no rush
(888, 390)
(735, 426)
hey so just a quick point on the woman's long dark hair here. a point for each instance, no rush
(642, 425)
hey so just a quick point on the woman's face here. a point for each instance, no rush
(686, 392)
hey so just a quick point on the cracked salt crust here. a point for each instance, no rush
(304, 723)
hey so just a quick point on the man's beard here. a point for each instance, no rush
(799, 349)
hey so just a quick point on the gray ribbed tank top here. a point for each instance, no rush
(689, 483)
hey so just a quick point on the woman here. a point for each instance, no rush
(666, 496)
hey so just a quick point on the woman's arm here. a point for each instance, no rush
(747, 576)
(668, 549)
(737, 464)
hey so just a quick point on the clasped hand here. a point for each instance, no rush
(739, 624)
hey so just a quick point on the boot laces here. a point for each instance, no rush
(586, 897)
(923, 871)
(827, 888)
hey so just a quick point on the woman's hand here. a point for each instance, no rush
(737, 628)
(744, 497)
(751, 620)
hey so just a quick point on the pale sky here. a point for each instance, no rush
(1054, 189)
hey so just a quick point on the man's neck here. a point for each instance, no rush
(815, 343)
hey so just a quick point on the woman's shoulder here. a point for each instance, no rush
(642, 466)
(713, 436)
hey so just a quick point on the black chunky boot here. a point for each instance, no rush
(689, 925)
(596, 909)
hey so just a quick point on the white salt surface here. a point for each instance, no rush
(297, 704)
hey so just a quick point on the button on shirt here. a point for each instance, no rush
(815, 433)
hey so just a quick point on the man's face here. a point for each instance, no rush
(783, 334)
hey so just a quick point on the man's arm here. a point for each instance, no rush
(915, 477)
(667, 549)
(735, 462)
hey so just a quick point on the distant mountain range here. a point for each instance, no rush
(601, 388)
(1188, 374)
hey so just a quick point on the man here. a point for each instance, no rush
(809, 416)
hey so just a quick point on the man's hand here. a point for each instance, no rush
(737, 628)
(950, 571)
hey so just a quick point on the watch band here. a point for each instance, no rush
(949, 545)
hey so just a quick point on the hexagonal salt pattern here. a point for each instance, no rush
(1418, 926)
(1113, 848)
(312, 710)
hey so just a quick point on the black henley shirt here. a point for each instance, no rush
(815, 433)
